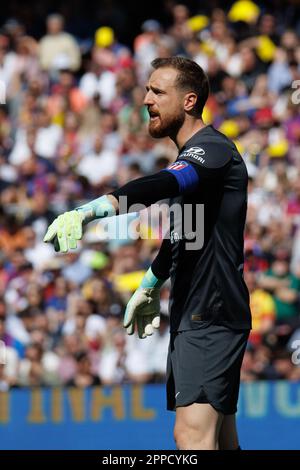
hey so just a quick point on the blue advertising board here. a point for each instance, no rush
(134, 417)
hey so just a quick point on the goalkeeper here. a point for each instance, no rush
(209, 302)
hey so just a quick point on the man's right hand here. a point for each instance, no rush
(65, 231)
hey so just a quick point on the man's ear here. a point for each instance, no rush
(190, 101)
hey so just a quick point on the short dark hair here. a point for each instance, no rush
(191, 77)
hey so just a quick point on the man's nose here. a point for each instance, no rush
(148, 100)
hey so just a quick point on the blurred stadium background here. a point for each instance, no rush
(72, 127)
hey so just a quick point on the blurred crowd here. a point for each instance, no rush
(73, 127)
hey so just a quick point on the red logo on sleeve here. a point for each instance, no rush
(178, 165)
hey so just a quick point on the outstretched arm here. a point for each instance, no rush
(66, 229)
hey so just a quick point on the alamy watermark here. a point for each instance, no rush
(296, 354)
(2, 353)
(175, 222)
(295, 98)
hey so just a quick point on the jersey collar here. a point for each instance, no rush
(194, 137)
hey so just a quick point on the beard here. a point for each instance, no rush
(167, 127)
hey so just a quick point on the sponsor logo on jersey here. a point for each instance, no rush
(178, 165)
(196, 153)
(176, 237)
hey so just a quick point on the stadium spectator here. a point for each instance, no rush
(58, 49)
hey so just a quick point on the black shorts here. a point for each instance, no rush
(204, 367)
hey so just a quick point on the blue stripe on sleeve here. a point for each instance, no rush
(186, 175)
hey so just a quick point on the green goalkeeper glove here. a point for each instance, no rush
(143, 309)
(66, 229)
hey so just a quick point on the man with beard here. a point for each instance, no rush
(209, 304)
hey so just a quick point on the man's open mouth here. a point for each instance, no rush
(153, 115)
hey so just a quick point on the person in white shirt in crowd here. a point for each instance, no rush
(58, 49)
(120, 363)
(99, 165)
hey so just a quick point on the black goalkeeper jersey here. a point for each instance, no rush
(207, 284)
